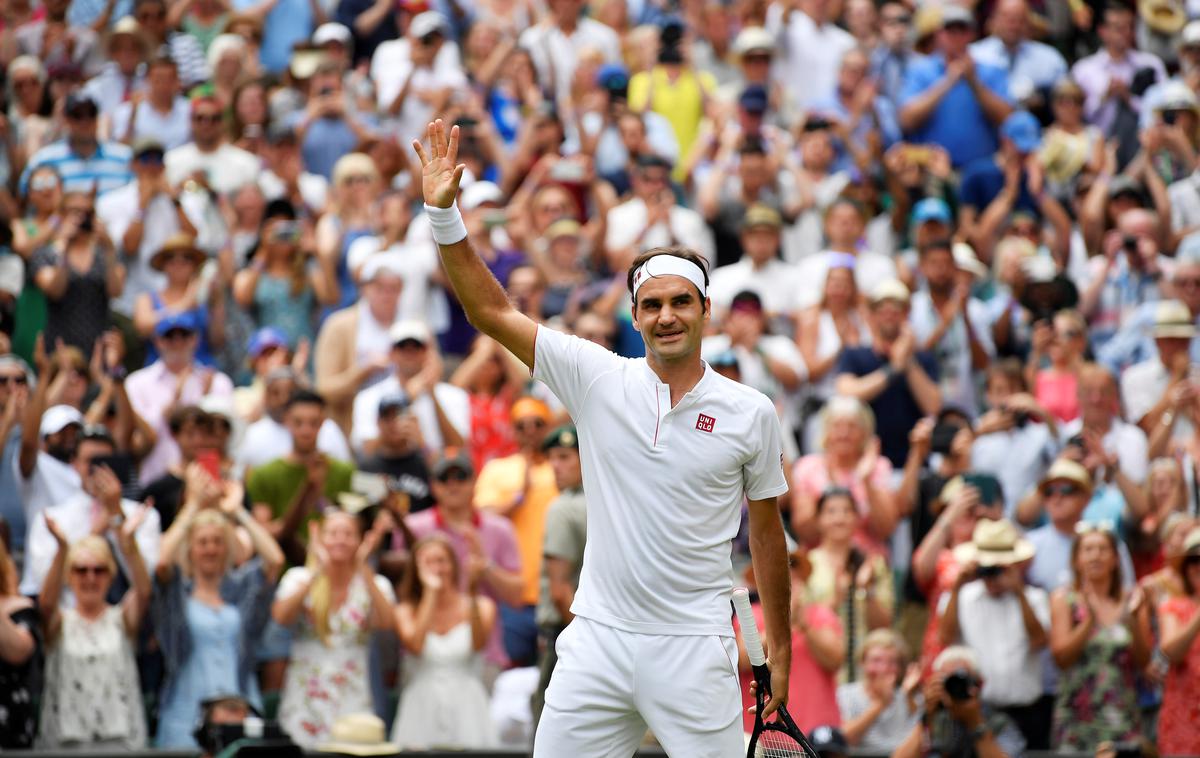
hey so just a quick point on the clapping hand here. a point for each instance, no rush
(57, 533)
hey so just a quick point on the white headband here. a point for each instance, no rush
(668, 265)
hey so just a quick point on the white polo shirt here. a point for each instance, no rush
(664, 485)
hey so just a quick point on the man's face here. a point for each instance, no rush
(206, 124)
(125, 52)
(163, 81)
(756, 67)
(852, 72)
(303, 422)
(843, 226)
(1009, 20)
(954, 38)
(760, 243)
(754, 170)
(81, 124)
(177, 348)
(1172, 349)
(409, 357)
(13, 381)
(894, 21)
(650, 180)
(148, 166)
(1065, 501)
(275, 397)
(425, 48)
(938, 267)
(1097, 396)
(564, 461)
(1117, 30)
(455, 488)
(191, 438)
(63, 444)
(85, 455)
(383, 292)
(526, 289)
(889, 317)
(529, 431)
(152, 17)
(671, 317)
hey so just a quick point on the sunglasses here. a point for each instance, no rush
(410, 344)
(1104, 526)
(1070, 334)
(92, 570)
(82, 114)
(18, 379)
(1059, 489)
(430, 38)
(152, 16)
(206, 118)
(150, 158)
(455, 475)
(176, 334)
(905, 20)
(529, 425)
(43, 183)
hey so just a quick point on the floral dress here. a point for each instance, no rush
(18, 717)
(1179, 719)
(1097, 696)
(327, 679)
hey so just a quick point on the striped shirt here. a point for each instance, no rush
(106, 169)
(188, 55)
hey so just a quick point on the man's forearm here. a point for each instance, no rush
(768, 551)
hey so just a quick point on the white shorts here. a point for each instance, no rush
(610, 685)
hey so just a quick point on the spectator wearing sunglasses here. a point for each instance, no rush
(1179, 620)
(139, 218)
(484, 543)
(209, 160)
(185, 292)
(443, 410)
(521, 487)
(92, 698)
(84, 163)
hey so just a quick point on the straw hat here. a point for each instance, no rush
(358, 734)
(1163, 16)
(1066, 470)
(994, 543)
(178, 243)
(1191, 547)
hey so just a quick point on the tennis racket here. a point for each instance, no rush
(780, 738)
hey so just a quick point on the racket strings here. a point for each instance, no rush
(773, 744)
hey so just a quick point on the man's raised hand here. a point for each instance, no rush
(440, 174)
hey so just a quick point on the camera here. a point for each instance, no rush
(942, 438)
(1129, 244)
(286, 231)
(1020, 418)
(1170, 117)
(959, 685)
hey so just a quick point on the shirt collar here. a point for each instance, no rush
(440, 521)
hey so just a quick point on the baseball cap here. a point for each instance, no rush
(890, 289)
(759, 215)
(1176, 96)
(393, 402)
(613, 77)
(753, 99)
(563, 436)
(1039, 269)
(458, 460)
(931, 209)
(267, 337)
(746, 301)
(956, 14)
(331, 32)
(479, 193)
(381, 263)
(143, 145)
(427, 23)
(753, 39)
(186, 321)
(1123, 184)
(1022, 129)
(79, 103)
(409, 330)
(59, 417)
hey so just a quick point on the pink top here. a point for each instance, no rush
(1179, 719)
(811, 477)
(812, 691)
(1057, 393)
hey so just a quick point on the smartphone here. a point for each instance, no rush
(210, 461)
(987, 485)
(568, 172)
(287, 231)
(118, 463)
(943, 437)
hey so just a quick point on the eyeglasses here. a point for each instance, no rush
(1104, 526)
(529, 424)
(206, 118)
(1062, 490)
(455, 475)
(410, 344)
(96, 571)
(150, 158)
(176, 334)
(16, 379)
(1069, 334)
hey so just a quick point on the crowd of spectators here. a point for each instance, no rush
(252, 447)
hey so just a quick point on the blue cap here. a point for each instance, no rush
(1023, 130)
(186, 320)
(754, 99)
(931, 209)
(264, 338)
(613, 76)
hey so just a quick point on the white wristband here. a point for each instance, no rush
(447, 224)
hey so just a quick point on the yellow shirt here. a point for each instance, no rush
(680, 102)
(500, 481)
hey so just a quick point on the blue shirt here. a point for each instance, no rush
(1134, 342)
(289, 22)
(983, 180)
(326, 140)
(1033, 62)
(11, 508)
(884, 112)
(958, 123)
(106, 169)
(896, 410)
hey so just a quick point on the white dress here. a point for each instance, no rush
(444, 703)
(325, 681)
(92, 697)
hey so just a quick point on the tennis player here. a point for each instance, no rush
(669, 448)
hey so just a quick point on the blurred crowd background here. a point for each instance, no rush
(254, 455)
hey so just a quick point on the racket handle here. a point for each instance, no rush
(741, 606)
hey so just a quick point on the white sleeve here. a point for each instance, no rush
(149, 539)
(332, 442)
(763, 472)
(292, 580)
(364, 425)
(386, 588)
(568, 365)
(456, 404)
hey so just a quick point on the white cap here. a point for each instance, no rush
(890, 289)
(12, 274)
(1176, 96)
(965, 259)
(426, 23)
(479, 193)
(1191, 34)
(409, 330)
(331, 32)
(753, 38)
(59, 417)
(381, 263)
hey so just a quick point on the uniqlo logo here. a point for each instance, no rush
(705, 423)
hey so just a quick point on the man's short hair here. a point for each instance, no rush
(679, 252)
(304, 397)
(162, 61)
(960, 653)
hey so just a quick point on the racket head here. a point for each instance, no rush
(777, 741)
